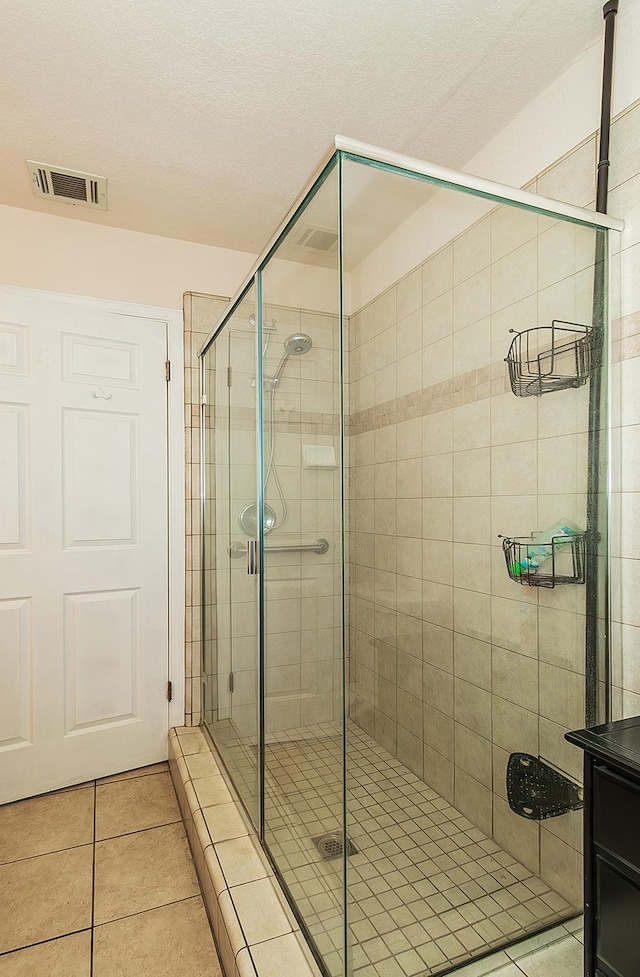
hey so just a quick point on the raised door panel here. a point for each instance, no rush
(102, 637)
(16, 706)
(14, 477)
(14, 349)
(89, 359)
(100, 478)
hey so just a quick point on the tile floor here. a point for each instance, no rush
(98, 881)
(427, 889)
(556, 953)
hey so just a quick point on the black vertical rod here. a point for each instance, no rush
(609, 12)
(596, 510)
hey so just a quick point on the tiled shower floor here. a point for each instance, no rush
(427, 889)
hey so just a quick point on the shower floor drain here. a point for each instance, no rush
(331, 845)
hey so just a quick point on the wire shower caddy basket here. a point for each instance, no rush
(549, 358)
(564, 565)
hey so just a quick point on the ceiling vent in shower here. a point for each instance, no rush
(314, 239)
(58, 183)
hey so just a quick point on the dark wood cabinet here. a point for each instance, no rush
(611, 848)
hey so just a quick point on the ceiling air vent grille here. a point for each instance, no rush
(75, 187)
(318, 239)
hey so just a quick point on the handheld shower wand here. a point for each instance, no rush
(295, 345)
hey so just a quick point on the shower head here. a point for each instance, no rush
(297, 344)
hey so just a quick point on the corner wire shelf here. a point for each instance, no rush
(532, 565)
(549, 358)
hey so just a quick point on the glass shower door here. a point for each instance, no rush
(302, 571)
(232, 645)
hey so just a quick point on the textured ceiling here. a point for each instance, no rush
(207, 116)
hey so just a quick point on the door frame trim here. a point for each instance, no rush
(173, 319)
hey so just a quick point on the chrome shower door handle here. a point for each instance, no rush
(252, 556)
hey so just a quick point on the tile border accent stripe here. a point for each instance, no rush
(489, 381)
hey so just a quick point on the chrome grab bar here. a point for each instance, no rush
(320, 546)
(238, 550)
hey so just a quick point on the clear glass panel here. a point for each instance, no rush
(475, 474)
(464, 649)
(611, 665)
(302, 570)
(230, 609)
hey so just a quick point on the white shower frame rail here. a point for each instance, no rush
(441, 176)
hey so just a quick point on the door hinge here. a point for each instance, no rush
(231, 682)
(169, 691)
(167, 369)
(229, 376)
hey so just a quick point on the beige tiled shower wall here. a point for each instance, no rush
(201, 313)
(453, 665)
(303, 646)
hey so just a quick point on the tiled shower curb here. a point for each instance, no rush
(254, 929)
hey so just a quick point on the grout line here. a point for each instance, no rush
(52, 939)
(116, 778)
(138, 831)
(93, 874)
(151, 909)
(50, 793)
(60, 790)
(44, 854)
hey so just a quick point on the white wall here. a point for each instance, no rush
(61, 254)
(39, 250)
(553, 124)
(64, 255)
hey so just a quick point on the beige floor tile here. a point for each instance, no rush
(259, 908)
(138, 772)
(275, 958)
(142, 871)
(202, 765)
(174, 941)
(241, 860)
(46, 824)
(45, 897)
(563, 959)
(193, 742)
(224, 821)
(537, 942)
(69, 956)
(131, 805)
(211, 790)
(244, 965)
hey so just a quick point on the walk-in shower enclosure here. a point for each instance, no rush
(405, 494)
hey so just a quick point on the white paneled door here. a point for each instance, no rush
(83, 543)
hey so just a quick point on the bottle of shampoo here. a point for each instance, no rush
(553, 540)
